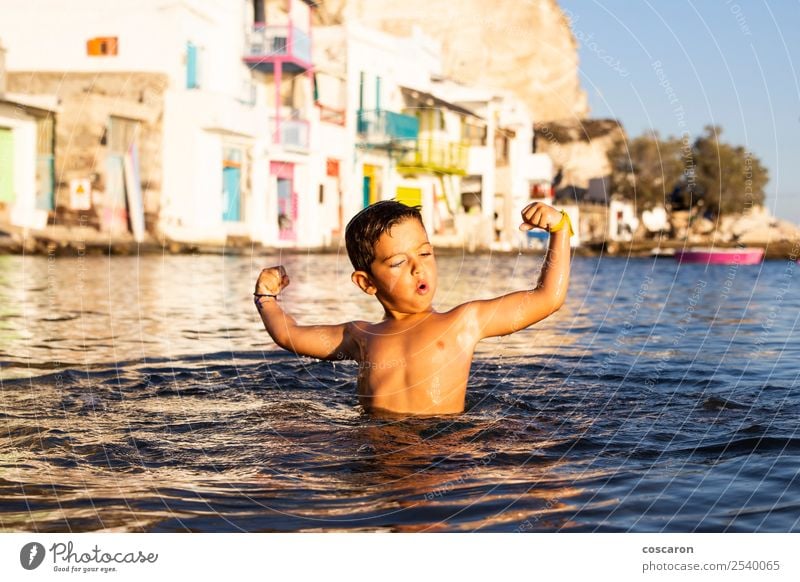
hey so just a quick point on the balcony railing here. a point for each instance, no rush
(381, 127)
(332, 114)
(441, 156)
(279, 41)
(290, 133)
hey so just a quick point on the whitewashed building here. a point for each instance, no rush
(363, 72)
(195, 118)
(26, 157)
(26, 154)
(503, 173)
(400, 139)
(622, 220)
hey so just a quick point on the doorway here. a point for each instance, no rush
(286, 200)
(6, 165)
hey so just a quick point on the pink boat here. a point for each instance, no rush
(713, 256)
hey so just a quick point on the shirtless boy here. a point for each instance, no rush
(416, 360)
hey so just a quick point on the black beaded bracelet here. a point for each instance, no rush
(257, 297)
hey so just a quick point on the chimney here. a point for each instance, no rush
(2, 69)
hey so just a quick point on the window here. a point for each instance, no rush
(501, 146)
(332, 168)
(258, 11)
(475, 133)
(103, 46)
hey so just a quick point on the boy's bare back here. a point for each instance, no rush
(416, 360)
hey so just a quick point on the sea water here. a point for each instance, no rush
(142, 394)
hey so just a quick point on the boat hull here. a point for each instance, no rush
(746, 256)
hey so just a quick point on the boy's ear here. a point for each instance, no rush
(363, 282)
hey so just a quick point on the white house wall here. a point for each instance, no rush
(152, 37)
(23, 129)
(192, 177)
(207, 184)
(399, 62)
(257, 216)
(192, 121)
(64, 28)
(327, 213)
(306, 228)
(333, 141)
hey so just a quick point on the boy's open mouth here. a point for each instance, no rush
(422, 287)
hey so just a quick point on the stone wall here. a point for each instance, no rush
(2, 68)
(86, 103)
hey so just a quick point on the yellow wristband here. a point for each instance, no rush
(565, 221)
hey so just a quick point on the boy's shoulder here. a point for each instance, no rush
(359, 325)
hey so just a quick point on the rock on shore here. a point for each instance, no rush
(755, 227)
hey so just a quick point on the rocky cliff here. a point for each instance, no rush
(579, 149)
(525, 46)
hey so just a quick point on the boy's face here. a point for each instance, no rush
(403, 274)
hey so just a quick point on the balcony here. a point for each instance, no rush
(287, 44)
(439, 156)
(291, 134)
(387, 129)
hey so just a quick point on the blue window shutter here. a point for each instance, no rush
(191, 66)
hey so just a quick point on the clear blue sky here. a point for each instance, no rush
(733, 63)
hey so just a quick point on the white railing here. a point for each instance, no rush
(277, 41)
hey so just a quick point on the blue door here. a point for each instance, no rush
(366, 189)
(231, 179)
(45, 182)
(45, 164)
(191, 66)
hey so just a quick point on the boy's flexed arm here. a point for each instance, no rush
(327, 342)
(516, 311)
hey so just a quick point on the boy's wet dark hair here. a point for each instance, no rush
(366, 227)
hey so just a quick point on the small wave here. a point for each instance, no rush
(749, 445)
(718, 403)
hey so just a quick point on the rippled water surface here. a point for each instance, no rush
(142, 394)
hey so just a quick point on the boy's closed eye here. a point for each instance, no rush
(399, 262)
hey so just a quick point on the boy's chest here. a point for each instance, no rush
(429, 344)
(422, 370)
